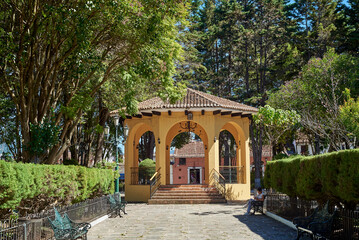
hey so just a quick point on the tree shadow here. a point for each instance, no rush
(217, 212)
(266, 227)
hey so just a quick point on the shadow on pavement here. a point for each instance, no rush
(266, 227)
(216, 212)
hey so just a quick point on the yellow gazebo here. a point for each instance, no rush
(206, 116)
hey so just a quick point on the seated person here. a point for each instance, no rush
(259, 197)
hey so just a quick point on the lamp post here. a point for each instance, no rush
(117, 183)
(107, 132)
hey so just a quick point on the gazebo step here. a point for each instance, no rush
(185, 201)
(187, 197)
(186, 194)
(185, 191)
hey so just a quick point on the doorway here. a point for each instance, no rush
(194, 175)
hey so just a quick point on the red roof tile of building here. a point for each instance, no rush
(192, 149)
(195, 99)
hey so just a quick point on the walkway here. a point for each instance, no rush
(207, 221)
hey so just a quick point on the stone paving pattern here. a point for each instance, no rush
(201, 221)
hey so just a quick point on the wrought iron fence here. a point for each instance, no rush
(231, 174)
(142, 175)
(12, 230)
(345, 226)
(37, 226)
(289, 208)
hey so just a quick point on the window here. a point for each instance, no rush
(182, 161)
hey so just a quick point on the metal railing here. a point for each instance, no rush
(218, 181)
(141, 175)
(345, 225)
(12, 230)
(36, 226)
(231, 174)
(155, 182)
(287, 207)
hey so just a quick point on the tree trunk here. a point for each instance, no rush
(103, 116)
(256, 136)
(18, 141)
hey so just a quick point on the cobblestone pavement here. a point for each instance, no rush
(208, 221)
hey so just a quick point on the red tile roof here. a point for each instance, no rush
(192, 149)
(195, 99)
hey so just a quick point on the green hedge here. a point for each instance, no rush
(59, 184)
(333, 176)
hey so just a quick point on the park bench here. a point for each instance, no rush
(116, 205)
(318, 225)
(65, 228)
(257, 206)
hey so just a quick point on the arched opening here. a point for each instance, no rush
(187, 159)
(143, 162)
(228, 165)
(186, 154)
(232, 163)
(146, 146)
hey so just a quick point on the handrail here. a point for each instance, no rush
(154, 175)
(232, 174)
(155, 182)
(219, 181)
(219, 174)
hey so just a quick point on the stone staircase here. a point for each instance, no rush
(186, 194)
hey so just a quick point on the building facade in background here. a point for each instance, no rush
(188, 164)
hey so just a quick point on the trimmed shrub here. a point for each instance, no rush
(22, 184)
(333, 176)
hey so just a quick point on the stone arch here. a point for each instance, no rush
(134, 137)
(199, 131)
(240, 140)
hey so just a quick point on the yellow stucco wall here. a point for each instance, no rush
(137, 193)
(209, 126)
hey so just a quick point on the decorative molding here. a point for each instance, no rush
(237, 114)
(147, 114)
(216, 112)
(226, 113)
(156, 113)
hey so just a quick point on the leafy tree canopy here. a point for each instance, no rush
(58, 54)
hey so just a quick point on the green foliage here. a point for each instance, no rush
(280, 156)
(317, 94)
(277, 124)
(349, 115)
(71, 162)
(149, 167)
(333, 176)
(126, 49)
(44, 136)
(106, 165)
(181, 139)
(7, 157)
(8, 129)
(55, 183)
(147, 163)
